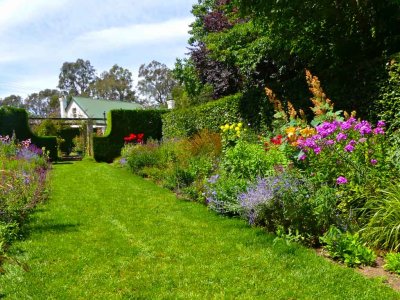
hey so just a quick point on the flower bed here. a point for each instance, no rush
(23, 171)
(311, 182)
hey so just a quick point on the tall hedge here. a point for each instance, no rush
(389, 99)
(121, 123)
(15, 120)
(250, 107)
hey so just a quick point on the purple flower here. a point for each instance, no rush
(326, 128)
(379, 130)
(349, 148)
(341, 136)
(330, 142)
(347, 125)
(317, 150)
(303, 157)
(381, 123)
(364, 127)
(310, 143)
(373, 162)
(341, 180)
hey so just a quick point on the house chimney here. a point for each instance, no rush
(63, 106)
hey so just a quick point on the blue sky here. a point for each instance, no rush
(38, 36)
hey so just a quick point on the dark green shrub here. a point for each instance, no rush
(15, 120)
(389, 98)
(121, 123)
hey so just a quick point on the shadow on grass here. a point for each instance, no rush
(62, 163)
(54, 227)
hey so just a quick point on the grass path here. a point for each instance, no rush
(106, 234)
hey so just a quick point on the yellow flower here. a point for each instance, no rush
(306, 132)
(240, 124)
(291, 131)
(237, 128)
(232, 126)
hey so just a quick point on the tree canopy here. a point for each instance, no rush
(155, 83)
(237, 45)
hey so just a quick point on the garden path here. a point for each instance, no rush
(107, 234)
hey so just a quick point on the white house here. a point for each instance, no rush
(88, 108)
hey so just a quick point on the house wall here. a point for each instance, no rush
(79, 112)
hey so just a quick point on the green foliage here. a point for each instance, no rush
(392, 262)
(249, 161)
(121, 123)
(389, 100)
(222, 192)
(15, 120)
(383, 215)
(249, 107)
(347, 248)
(186, 122)
(140, 156)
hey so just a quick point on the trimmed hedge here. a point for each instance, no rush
(250, 107)
(15, 120)
(121, 123)
(68, 134)
(389, 99)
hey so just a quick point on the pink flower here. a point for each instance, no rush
(341, 180)
(373, 162)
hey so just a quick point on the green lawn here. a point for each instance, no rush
(107, 234)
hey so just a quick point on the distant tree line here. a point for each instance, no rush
(79, 79)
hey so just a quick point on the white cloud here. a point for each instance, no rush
(15, 12)
(137, 34)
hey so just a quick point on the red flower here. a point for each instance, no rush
(277, 140)
(130, 137)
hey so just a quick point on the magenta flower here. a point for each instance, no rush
(364, 127)
(373, 162)
(379, 130)
(341, 180)
(341, 136)
(330, 142)
(303, 157)
(317, 150)
(381, 123)
(349, 148)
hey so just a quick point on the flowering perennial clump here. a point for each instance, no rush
(23, 170)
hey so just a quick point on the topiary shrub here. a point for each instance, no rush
(121, 123)
(15, 121)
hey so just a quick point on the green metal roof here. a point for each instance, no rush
(95, 108)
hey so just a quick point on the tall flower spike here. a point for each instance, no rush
(275, 102)
(321, 103)
(292, 110)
